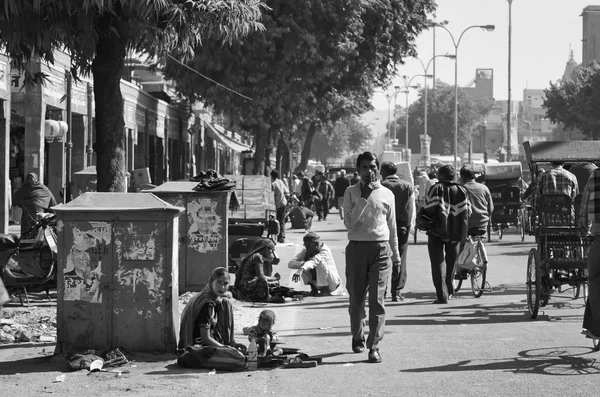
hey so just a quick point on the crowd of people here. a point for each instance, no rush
(378, 211)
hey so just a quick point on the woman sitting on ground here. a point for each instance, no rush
(251, 283)
(207, 319)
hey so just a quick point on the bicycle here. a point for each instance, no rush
(478, 272)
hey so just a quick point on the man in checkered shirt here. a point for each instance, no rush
(559, 180)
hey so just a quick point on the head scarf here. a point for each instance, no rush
(258, 246)
(192, 309)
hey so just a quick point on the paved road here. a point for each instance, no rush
(470, 347)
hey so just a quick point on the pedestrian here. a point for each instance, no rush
(447, 205)
(207, 319)
(341, 184)
(482, 207)
(316, 266)
(251, 282)
(405, 211)
(282, 195)
(432, 180)
(582, 172)
(369, 216)
(301, 217)
(325, 195)
(590, 213)
(306, 192)
(33, 197)
(297, 184)
(355, 179)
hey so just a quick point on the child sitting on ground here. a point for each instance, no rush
(263, 332)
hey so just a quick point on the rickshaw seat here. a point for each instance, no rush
(556, 213)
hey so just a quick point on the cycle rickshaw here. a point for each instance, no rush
(503, 181)
(560, 257)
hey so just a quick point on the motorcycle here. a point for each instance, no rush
(30, 263)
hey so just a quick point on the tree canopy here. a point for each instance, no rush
(440, 119)
(98, 34)
(348, 135)
(574, 104)
(317, 61)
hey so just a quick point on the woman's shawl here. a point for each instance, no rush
(192, 311)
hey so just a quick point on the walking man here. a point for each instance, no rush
(405, 209)
(325, 194)
(447, 205)
(341, 183)
(282, 194)
(482, 207)
(369, 216)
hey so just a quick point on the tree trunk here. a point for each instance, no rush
(260, 154)
(312, 129)
(113, 34)
(285, 158)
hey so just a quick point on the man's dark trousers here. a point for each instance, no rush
(443, 257)
(399, 280)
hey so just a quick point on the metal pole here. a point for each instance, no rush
(69, 145)
(456, 107)
(394, 115)
(406, 139)
(389, 127)
(509, 132)
(433, 85)
(425, 121)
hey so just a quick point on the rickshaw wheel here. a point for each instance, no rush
(457, 285)
(500, 231)
(478, 275)
(533, 282)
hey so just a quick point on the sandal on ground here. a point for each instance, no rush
(306, 357)
(298, 363)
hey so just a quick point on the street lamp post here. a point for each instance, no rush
(405, 89)
(509, 148)
(488, 28)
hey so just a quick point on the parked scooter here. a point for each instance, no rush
(30, 265)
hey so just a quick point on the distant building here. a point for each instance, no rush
(591, 34)
(482, 86)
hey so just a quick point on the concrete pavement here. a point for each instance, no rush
(469, 347)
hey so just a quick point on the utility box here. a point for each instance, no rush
(203, 244)
(117, 273)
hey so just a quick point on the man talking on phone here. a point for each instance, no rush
(369, 216)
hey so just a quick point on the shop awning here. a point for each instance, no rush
(219, 134)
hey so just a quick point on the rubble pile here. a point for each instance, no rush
(28, 324)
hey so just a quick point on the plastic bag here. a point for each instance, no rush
(223, 358)
(467, 257)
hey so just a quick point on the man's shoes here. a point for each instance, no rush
(324, 218)
(281, 240)
(314, 291)
(398, 298)
(374, 356)
(358, 347)
(439, 302)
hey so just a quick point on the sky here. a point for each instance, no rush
(542, 31)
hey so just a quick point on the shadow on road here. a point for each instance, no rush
(35, 364)
(558, 361)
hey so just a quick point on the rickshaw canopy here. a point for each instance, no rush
(548, 151)
(510, 170)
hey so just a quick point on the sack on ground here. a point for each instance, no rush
(223, 358)
(467, 256)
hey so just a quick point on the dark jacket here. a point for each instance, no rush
(402, 193)
(341, 183)
(448, 205)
